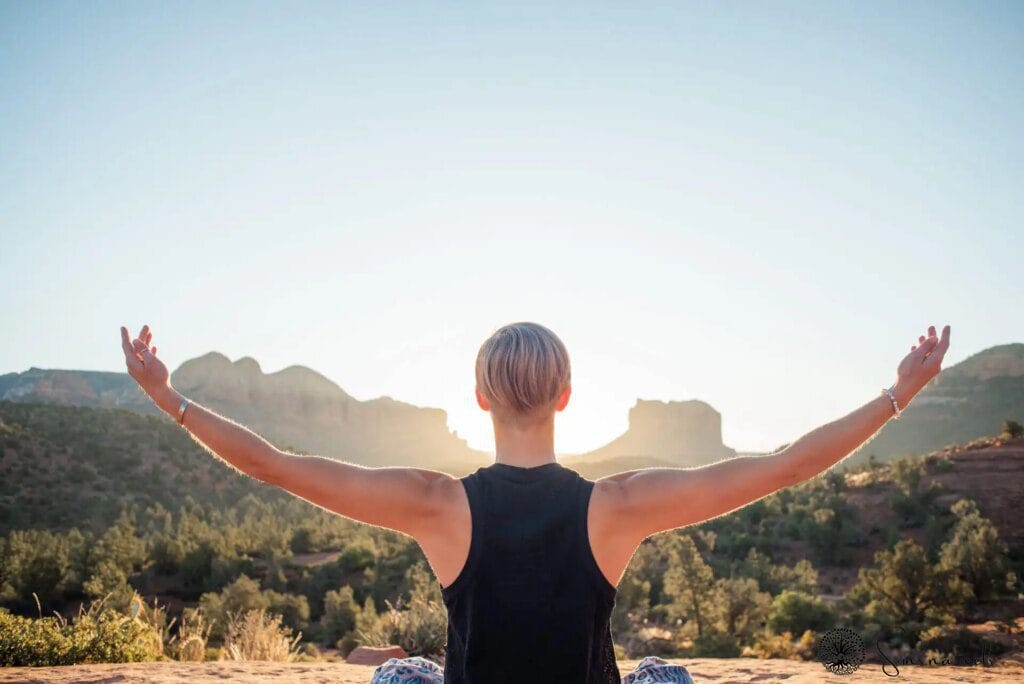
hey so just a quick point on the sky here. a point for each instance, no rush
(759, 205)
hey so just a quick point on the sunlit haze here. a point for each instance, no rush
(754, 206)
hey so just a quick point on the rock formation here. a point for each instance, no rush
(677, 432)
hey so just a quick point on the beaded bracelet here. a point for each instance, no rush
(895, 404)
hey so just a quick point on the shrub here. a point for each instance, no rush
(1013, 429)
(976, 553)
(771, 645)
(957, 645)
(107, 637)
(905, 588)
(715, 645)
(28, 642)
(421, 628)
(244, 595)
(96, 635)
(255, 635)
(797, 612)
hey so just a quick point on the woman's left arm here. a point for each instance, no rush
(641, 503)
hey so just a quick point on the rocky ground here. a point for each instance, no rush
(719, 671)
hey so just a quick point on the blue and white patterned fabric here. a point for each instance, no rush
(416, 670)
(413, 670)
(653, 669)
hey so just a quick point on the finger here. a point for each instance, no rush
(926, 347)
(146, 353)
(140, 349)
(148, 335)
(143, 334)
(154, 350)
(942, 346)
(931, 331)
(131, 359)
(126, 344)
(921, 339)
(912, 348)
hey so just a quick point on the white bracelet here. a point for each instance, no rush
(895, 404)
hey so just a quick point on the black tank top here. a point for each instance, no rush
(531, 603)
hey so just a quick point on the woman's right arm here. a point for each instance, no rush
(414, 501)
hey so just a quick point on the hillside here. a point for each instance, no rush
(75, 387)
(70, 466)
(989, 472)
(968, 400)
(296, 408)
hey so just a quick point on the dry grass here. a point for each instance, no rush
(257, 635)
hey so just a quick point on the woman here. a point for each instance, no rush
(528, 553)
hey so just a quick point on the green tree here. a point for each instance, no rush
(740, 607)
(976, 553)
(777, 578)
(632, 602)
(910, 500)
(33, 561)
(905, 589)
(241, 596)
(109, 580)
(422, 587)
(689, 582)
(796, 612)
(1013, 429)
(119, 548)
(340, 614)
(293, 609)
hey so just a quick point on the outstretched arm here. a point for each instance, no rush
(637, 504)
(409, 500)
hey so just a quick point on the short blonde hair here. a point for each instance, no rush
(522, 369)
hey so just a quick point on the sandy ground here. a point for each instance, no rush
(703, 670)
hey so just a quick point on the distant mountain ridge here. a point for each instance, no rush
(296, 408)
(968, 400)
(78, 388)
(301, 409)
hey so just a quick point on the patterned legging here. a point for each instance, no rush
(650, 670)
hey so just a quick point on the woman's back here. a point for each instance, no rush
(530, 603)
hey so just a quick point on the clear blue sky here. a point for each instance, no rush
(759, 205)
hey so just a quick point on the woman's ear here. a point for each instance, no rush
(563, 398)
(481, 400)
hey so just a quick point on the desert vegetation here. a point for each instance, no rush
(154, 550)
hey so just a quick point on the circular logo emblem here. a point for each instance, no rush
(841, 651)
